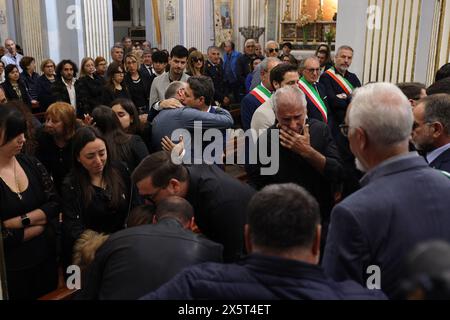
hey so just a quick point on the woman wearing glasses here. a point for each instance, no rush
(115, 87)
(195, 64)
(98, 193)
(44, 84)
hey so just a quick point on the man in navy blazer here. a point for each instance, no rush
(402, 202)
(431, 130)
(283, 239)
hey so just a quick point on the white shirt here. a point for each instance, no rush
(71, 91)
(2, 77)
(263, 118)
(433, 155)
(9, 59)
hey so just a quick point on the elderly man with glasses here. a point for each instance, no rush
(402, 201)
(314, 91)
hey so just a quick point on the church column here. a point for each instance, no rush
(98, 28)
(31, 30)
(135, 7)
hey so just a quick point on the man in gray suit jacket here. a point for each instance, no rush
(402, 201)
(431, 131)
(198, 95)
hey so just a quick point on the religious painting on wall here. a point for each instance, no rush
(223, 20)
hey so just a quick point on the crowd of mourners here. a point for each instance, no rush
(100, 168)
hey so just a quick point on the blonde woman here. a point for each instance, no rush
(90, 87)
(137, 84)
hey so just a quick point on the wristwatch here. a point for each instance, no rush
(25, 220)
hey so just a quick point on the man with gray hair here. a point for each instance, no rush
(315, 92)
(118, 53)
(339, 84)
(214, 70)
(243, 63)
(307, 152)
(260, 94)
(431, 130)
(271, 50)
(402, 201)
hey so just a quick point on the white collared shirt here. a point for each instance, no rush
(72, 93)
(433, 155)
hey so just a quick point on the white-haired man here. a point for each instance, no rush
(402, 201)
(307, 155)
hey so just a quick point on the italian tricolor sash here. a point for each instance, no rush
(341, 81)
(261, 93)
(314, 96)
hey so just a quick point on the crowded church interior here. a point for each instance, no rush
(224, 150)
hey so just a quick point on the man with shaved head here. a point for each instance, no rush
(12, 56)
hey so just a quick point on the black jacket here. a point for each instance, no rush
(295, 169)
(442, 162)
(220, 204)
(11, 94)
(260, 277)
(89, 93)
(138, 260)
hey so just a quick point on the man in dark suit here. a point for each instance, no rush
(146, 69)
(402, 201)
(219, 200)
(340, 83)
(314, 91)
(307, 153)
(283, 238)
(137, 260)
(431, 130)
(214, 70)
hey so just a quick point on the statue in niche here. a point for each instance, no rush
(170, 11)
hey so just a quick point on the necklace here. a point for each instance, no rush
(17, 182)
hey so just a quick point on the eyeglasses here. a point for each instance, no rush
(274, 50)
(344, 129)
(195, 60)
(313, 70)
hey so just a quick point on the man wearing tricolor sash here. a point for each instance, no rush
(260, 94)
(315, 92)
(340, 84)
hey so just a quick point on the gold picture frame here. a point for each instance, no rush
(223, 21)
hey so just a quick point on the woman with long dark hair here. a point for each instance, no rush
(29, 206)
(115, 86)
(98, 193)
(127, 148)
(14, 87)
